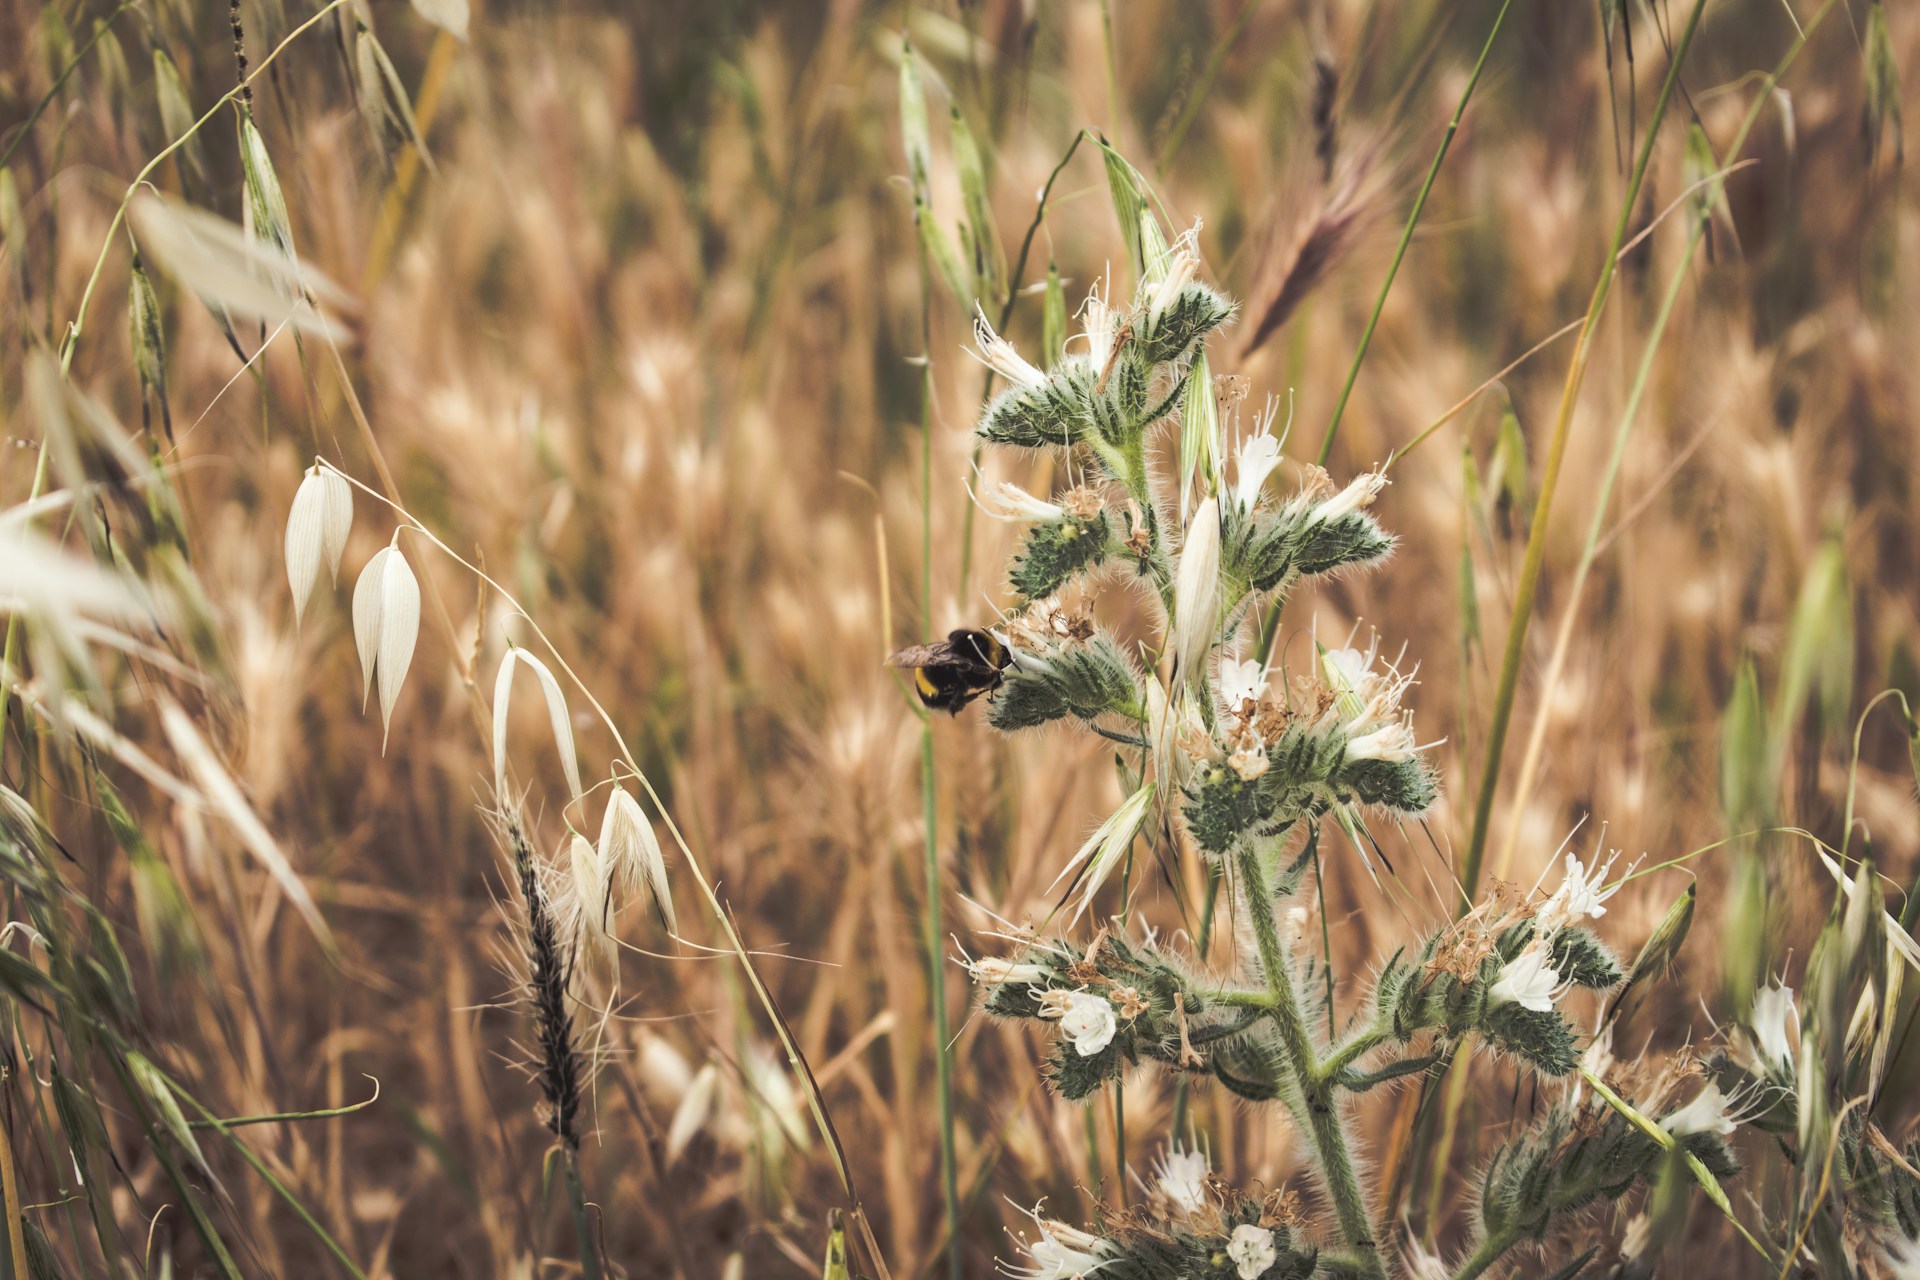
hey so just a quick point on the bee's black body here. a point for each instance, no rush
(954, 672)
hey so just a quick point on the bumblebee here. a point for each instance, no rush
(954, 672)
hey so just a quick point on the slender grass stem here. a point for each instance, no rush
(1406, 235)
(10, 1189)
(1550, 479)
(25, 127)
(77, 325)
(1197, 91)
(582, 1222)
(936, 976)
(1006, 316)
(1536, 737)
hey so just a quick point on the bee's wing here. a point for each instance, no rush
(919, 655)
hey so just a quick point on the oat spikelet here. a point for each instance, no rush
(1346, 209)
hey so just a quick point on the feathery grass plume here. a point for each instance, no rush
(558, 1066)
(1324, 113)
(1298, 258)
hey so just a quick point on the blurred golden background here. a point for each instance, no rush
(644, 340)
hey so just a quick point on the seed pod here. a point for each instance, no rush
(317, 528)
(149, 343)
(557, 716)
(176, 114)
(630, 853)
(386, 624)
(1200, 445)
(1196, 592)
(915, 134)
(989, 266)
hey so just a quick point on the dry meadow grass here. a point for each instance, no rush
(642, 342)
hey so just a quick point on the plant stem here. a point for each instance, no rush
(1485, 1256)
(1536, 738)
(936, 979)
(9, 1188)
(1316, 1090)
(1197, 91)
(1200, 937)
(582, 1227)
(1357, 1046)
(1406, 234)
(1550, 479)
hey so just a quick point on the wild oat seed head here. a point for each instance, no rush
(386, 624)
(317, 526)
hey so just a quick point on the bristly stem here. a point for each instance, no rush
(1200, 938)
(1406, 235)
(1550, 479)
(1315, 1086)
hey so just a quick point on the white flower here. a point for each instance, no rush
(1196, 590)
(1249, 763)
(1359, 493)
(317, 527)
(1579, 897)
(1771, 1051)
(1000, 356)
(1390, 742)
(991, 971)
(1255, 458)
(1367, 706)
(1241, 681)
(1251, 1250)
(1107, 846)
(1061, 1253)
(1528, 980)
(1181, 1176)
(1007, 501)
(1707, 1113)
(1099, 329)
(1089, 1022)
(1183, 263)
